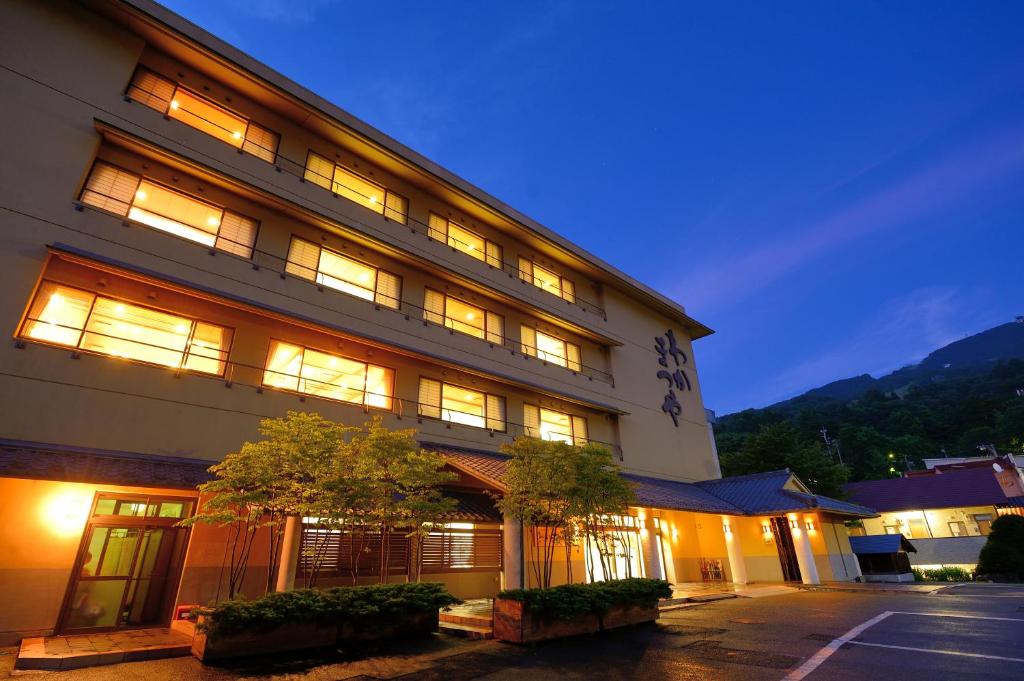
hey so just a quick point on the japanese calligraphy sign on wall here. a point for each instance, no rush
(674, 374)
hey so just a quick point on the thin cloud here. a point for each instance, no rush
(927, 192)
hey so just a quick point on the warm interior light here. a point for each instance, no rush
(213, 221)
(174, 104)
(119, 310)
(237, 135)
(140, 195)
(65, 512)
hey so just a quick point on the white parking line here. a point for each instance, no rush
(939, 652)
(819, 657)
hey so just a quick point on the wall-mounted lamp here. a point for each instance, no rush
(810, 526)
(726, 528)
(794, 524)
(766, 528)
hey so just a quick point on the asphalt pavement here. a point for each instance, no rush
(961, 632)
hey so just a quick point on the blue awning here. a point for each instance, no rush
(881, 543)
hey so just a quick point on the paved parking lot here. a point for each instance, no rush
(964, 632)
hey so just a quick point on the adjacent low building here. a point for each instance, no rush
(192, 243)
(947, 509)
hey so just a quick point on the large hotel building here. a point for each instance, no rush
(192, 242)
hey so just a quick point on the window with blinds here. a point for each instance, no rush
(548, 424)
(201, 113)
(72, 317)
(462, 547)
(169, 210)
(549, 348)
(321, 374)
(346, 183)
(457, 404)
(546, 280)
(335, 552)
(463, 240)
(463, 317)
(341, 273)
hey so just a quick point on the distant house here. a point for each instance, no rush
(947, 509)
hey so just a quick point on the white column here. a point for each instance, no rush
(289, 558)
(649, 540)
(512, 554)
(737, 566)
(804, 554)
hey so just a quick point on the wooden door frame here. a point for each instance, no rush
(780, 526)
(173, 575)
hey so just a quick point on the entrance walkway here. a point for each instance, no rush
(91, 650)
(470, 619)
(696, 592)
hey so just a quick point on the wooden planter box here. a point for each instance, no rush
(287, 637)
(412, 624)
(305, 636)
(619, 616)
(514, 625)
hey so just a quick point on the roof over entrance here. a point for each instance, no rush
(759, 494)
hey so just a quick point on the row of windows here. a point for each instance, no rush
(179, 103)
(71, 317)
(124, 193)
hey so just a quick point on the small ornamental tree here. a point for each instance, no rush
(600, 494)
(258, 486)
(562, 494)
(1002, 557)
(403, 488)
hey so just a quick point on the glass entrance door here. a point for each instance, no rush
(128, 564)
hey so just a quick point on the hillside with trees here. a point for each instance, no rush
(966, 395)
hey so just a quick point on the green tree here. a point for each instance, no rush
(262, 483)
(1002, 556)
(781, 446)
(599, 492)
(403, 487)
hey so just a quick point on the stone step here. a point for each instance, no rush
(466, 631)
(467, 618)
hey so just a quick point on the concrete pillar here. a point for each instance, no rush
(512, 554)
(737, 566)
(650, 544)
(804, 554)
(289, 558)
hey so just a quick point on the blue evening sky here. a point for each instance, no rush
(834, 187)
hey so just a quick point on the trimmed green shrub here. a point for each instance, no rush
(1002, 557)
(943, 574)
(569, 601)
(363, 605)
(918, 574)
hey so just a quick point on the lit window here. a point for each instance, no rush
(202, 114)
(168, 210)
(76, 318)
(461, 405)
(547, 424)
(549, 348)
(463, 317)
(321, 374)
(328, 268)
(354, 187)
(461, 239)
(546, 280)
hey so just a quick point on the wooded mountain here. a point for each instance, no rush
(959, 397)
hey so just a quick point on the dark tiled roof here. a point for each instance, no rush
(1012, 502)
(78, 464)
(960, 487)
(757, 494)
(678, 495)
(473, 507)
(881, 543)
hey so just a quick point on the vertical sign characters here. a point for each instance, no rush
(675, 379)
